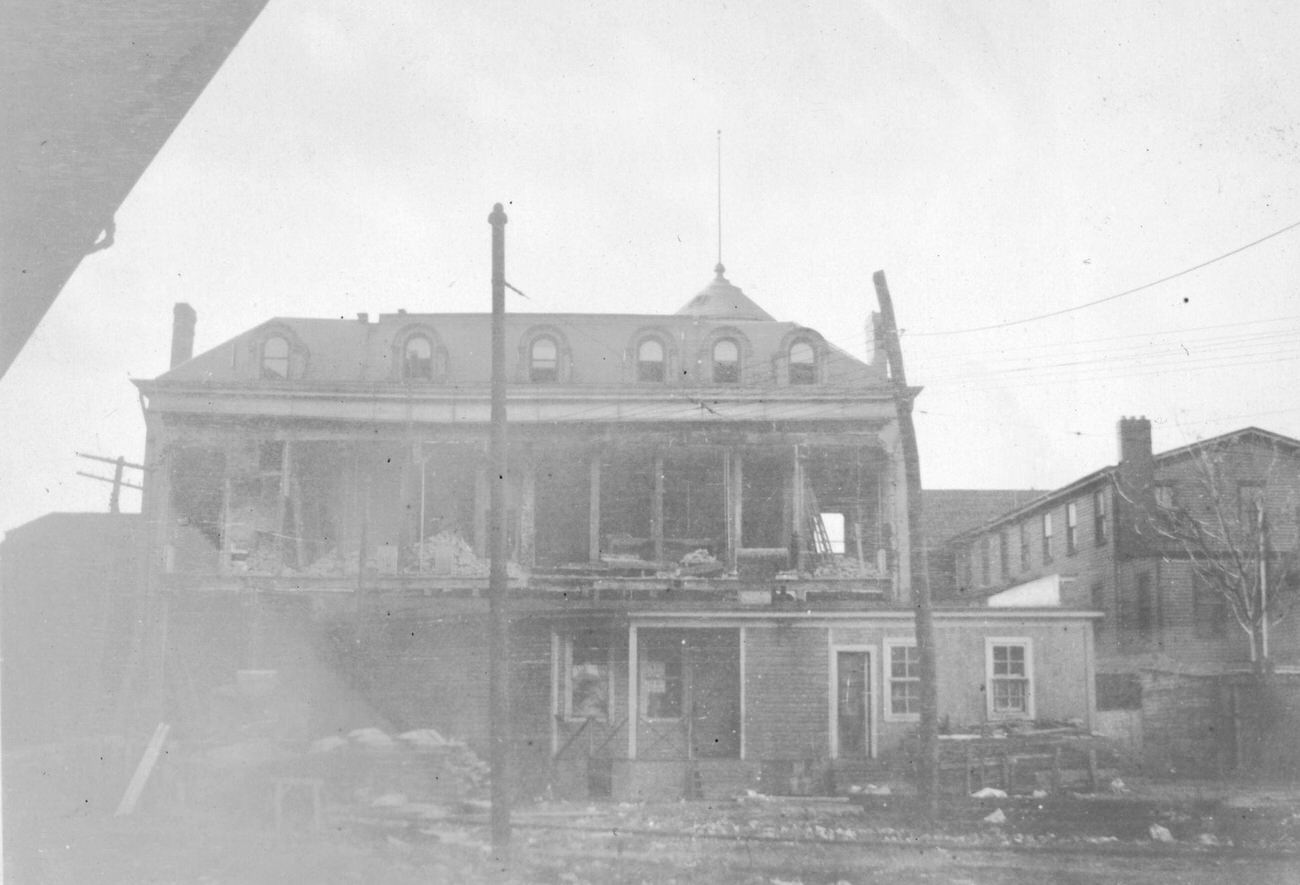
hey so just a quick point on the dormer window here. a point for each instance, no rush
(417, 359)
(650, 361)
(275, 358)
(544, 361)
(803, 363)
(726, 362)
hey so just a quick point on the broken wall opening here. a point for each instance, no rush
(695, 503)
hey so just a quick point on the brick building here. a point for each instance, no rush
(707, 575)
(1090, 544)
(1171, 656)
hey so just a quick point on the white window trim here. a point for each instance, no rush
(887, 678)
(566, 682)
(1028, 645)
(873, 661)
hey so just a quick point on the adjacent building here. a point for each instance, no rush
(1133, 541)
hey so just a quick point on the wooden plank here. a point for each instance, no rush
(142, 771)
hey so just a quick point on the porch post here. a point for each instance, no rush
(556, 676)
(633, 703)
(480, 510)
(743, 721)
(737, 509)
(657, 508)
(593, 519)
(527, 512)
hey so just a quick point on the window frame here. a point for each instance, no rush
(566, 689)
(406, 357)
(807, 373)
(1146, 608)
(1071, 528)
(1004, 553)
(1046, 525)
(1027, 645)
(642, 364)
(1250, 492)
(1206, 598)
(548, 376)
(889, 680)
(1026, 549)
(715, 363)
(1166, 495)
(263, 358)
(986, 556)
(1099, 517)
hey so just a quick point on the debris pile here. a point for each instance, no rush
(447, 553)
(420, 765)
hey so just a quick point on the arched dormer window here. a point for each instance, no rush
(544, 360)
(651, 361)
(417, 359)
(275, 358)
(803, 363)
(726, 362)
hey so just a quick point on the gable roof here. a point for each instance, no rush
(1245, 434)
(946, 513)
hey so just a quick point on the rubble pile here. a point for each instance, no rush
(446, 553)
(419, 766)
(845, 567)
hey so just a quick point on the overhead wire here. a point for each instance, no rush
(1133, 291)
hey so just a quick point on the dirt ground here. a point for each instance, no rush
(753, 840)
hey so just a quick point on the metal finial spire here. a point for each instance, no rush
(719, 267)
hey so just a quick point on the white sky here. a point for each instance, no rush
(997, 160)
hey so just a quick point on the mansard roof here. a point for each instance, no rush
(600, 349)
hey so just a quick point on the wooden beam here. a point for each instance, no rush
(657, 508)
(593, 519)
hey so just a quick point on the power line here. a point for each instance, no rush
(1014, 351)
(1126, 292)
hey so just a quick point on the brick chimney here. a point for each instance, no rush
(183, 320)
(1136, 486)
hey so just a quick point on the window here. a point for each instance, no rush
(803, 363)
(1099, 516)
(1209, 608)
(1071, 528)
(1166, 498)
(1047, 537)
(1250, 501)
(1004, 554)
(1024, 546)
(417, 359)
(544, 361)
(588, 670)
(984, 561)
(833, 523)
(650, 361)
(1009, 669)
(903, 670)
(661, 676)
(1144, 607)
(726, 362)
(275, 358)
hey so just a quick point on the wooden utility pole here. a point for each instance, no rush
(498, 640)
(119, 465)
(928, 751)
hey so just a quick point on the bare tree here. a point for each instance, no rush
(1224, 528)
